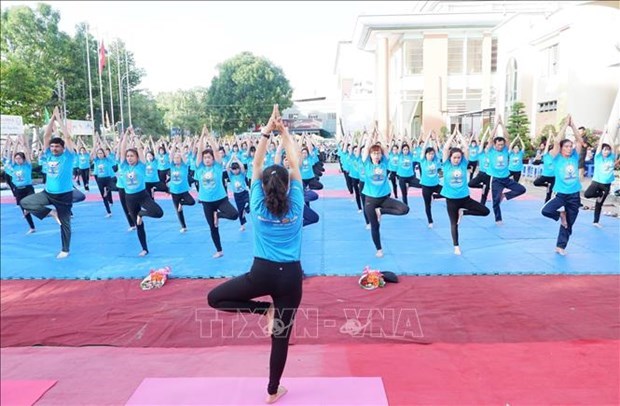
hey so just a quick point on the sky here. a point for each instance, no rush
(179, 44)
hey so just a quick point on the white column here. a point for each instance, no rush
(382, 89)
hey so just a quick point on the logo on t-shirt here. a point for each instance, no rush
(378, 176)
(130, 178)
(53, 168)
(431, 170)
(569, 173)
(207, 180)
(175, 177)
(101, 169)
(456, 180)
(499, 162)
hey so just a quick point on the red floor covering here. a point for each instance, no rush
(559, 373)
(468, 309)
(518, 340)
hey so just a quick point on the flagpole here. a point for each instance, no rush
(111, 98)
(90, 85)
(100, 87)
(128, 90)
(120, 84)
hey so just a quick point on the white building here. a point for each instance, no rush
(450, 58)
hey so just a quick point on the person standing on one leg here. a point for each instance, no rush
(603, 176)
(212, 194)
(455, 189)
(276, 208)
(22, 176)
(547, 177)
(482, 180)
(515, 166)
(179, 187)
(377, 189)
(567, 185)
(429, 179)
(500, 175)
(139, 202)
(239, 188)
(59, 186)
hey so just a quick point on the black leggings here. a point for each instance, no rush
(600, 191)
(548, 182)
(141, 204)
(356, 188)
(405, 183)
(428, 194)
(122, 196)
(184, 199)
(347, 180)
(105, 190)
(224, 209)
(85, 175)
(363, 199)
(388, 206)
(313, 184)
(63, 202)
(21, 192)
(516, 175)
(152, 187)
(472, 165)
(481, 181)
(471, 208)
(242, 201)
(392, 177)
(281, 281)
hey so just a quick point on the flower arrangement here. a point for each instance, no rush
(371, 279)
(156, 278)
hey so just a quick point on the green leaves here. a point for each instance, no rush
(244, 92)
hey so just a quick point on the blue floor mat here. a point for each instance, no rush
(338, 245)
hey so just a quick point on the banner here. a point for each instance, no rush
(81, 127)
(11, 125)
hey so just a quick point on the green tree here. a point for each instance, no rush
(184, 109)
(146, 114)
(519, 125)
(244, 92)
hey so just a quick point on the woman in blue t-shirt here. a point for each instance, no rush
(604, 160)
(239, 188)
(429, 169)
(104, 175)
(547, 177)
(354, 172)
(212, 194)
(482, 180)
(276, 205)
(22, 178)
(515, 159)
(377, 189)
(83, 158)
(456, 190)
(179, 187)
(567, 185)
(139, 202)
(405, 171)
(393, 158)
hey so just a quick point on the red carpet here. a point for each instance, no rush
(467, 309)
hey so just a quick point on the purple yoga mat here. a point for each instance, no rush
(252, 391)
(23, 393)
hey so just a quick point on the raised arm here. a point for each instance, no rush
(448, 145)
(578, 138)
(556, 145)
(261, 148)
(290, 146)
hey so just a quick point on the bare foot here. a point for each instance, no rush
(143, 253)
(132, 228)
(597, 225)
(499, 223)
(180, 208)
(367, 226)
(62, 254)
(215, 219)
(32, 230)
(379, 254)
(54, 214)
(563, 219)
(560, 251)
(108, 215)
(457, 250)
(218, 254)
(274, 398)
(105, 192)
(242, 228)
(182, 230)
(138, 220)
(430, 225)
(378, 211)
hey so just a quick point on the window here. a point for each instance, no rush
(414, 57)
(331, 116)
(511, 86)
(547, 106)
(494, 55)
(550, 61)
(474, 56)
(464, 56)
(455, 56)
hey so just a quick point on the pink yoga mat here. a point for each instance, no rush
(252, 391)
(20, 393)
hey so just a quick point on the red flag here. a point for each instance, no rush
(101, 57)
